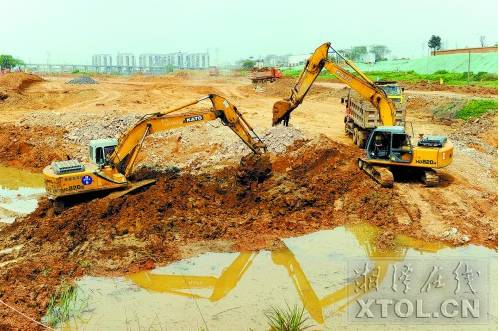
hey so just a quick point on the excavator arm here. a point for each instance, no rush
(361, 84)
(129, 145)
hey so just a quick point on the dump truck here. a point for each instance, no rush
(361, 117)
(213, 71)
(266, 74)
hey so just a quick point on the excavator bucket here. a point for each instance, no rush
(280, 110)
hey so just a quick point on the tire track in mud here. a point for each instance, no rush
(457, 205)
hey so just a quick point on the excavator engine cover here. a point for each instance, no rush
(67, 167)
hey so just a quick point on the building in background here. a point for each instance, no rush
(125, 60)
(489, 49)
(296, 60)
(105, 60)
(178, 60)
(276, 60)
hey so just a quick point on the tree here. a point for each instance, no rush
(248, 64)
(482, 41)
(435, 43)
(380, 52)
(9, 62)
(346, 53)
(357, 52)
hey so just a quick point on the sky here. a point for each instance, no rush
(70, 31)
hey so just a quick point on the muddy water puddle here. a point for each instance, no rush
(326, 273)
(19, 192)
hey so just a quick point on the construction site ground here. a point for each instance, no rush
(198, 205)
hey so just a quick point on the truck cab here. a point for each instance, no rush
(392, 90)
(100, 150)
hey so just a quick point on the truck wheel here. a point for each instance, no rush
(360, 139)
(355, 135)
(347, 132)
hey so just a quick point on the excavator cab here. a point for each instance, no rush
(100, 150)
(390, 143)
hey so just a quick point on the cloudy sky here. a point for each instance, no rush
(65, 31)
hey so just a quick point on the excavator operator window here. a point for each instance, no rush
(99, 155)
(380, 145)
(108, 151)
(401, 148)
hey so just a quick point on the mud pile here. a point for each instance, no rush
(434, 86)
(32, 147)
(314, 188)
(17, 81)
(315, 185)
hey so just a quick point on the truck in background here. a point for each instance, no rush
(265, 74)
(361, 117)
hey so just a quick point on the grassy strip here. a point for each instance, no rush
(476, 107)
(483, 79)
(63, 305)
(287, 319)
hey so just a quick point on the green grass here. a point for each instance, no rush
(63, 305)
(287, 319)
(449, 78)
(476, 108)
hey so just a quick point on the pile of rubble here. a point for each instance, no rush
(213, 146)
(83, 80)
(279, 138)
(108, 126)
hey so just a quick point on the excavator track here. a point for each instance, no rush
(382, 175)
(430, 178)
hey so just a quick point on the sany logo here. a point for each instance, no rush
(86, 180)
(193, 119)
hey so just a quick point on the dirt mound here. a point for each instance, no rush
(181, 74)
(31, 147)
(281, 88)
(138, 231)
(433, 86)
(254, 169)
(440, 107)
(18, 81)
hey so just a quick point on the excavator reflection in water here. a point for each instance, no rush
(366, 235)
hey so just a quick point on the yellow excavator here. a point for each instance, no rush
(388, 147)
(112, 160)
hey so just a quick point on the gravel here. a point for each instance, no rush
(83, 80)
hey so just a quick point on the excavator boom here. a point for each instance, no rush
(129, 145)
(361, 83)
